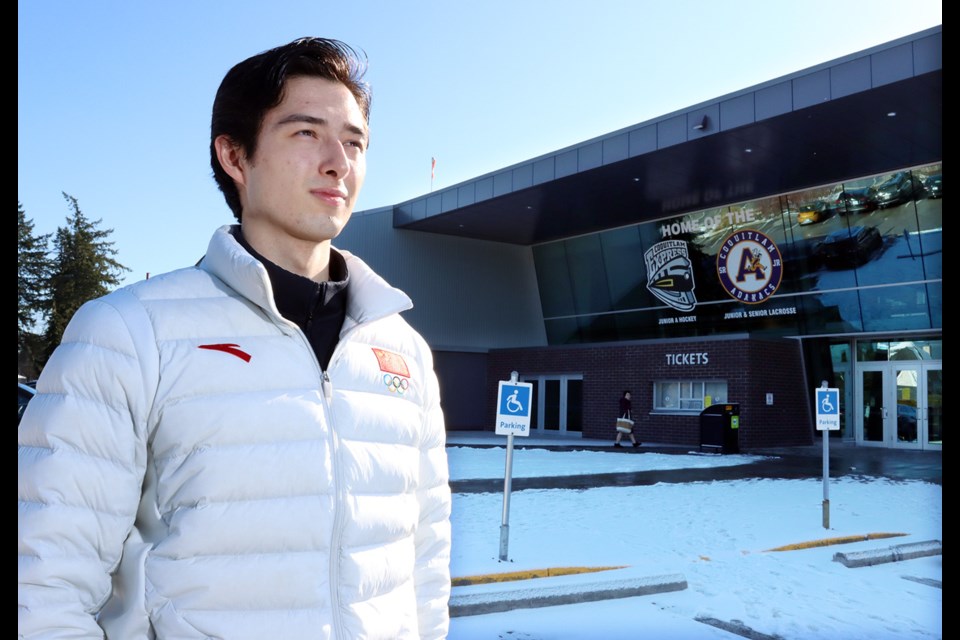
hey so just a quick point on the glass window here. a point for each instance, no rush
(574, 405)
(691, 396)
(870, 351)
(666, 395)
(714, 392)
(930, 219)
(602, 328)
(832, 312)
(861, 255)
(935, 406)
(687, 396)
(895, 307)
(553, 279)
(562, 331)
(588, 275)
(930, 349)
(551, 405)
(839, 353)
(935, 296)
(622, 256)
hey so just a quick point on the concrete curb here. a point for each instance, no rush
(930, 582)
(737, 627)
(895, 553)
(826, 542)
(532, 597)
(527, 574)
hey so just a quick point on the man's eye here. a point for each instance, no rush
(306, 132)
(355, 143)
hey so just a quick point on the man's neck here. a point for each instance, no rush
(302, 257)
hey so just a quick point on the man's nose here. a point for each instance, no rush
(335, 161)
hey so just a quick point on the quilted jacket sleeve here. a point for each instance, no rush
(433, 534)
(81, 459)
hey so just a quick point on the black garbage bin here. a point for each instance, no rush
(720, 428)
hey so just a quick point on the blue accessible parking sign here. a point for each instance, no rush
(828, 409)
(513, 408)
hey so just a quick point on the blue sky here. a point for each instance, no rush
(114, 96)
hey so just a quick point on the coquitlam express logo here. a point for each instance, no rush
(670, 274)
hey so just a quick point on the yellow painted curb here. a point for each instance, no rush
(529, 574)
(825, 542)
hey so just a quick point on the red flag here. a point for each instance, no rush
(433, 167)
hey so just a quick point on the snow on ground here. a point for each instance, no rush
(716, 534)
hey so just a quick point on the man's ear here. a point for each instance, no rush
(231, 158)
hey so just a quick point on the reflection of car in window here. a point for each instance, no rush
(849, 247)
(897, 189)
(812, 212)
(906, 422)
(854, 200)
(933, 186)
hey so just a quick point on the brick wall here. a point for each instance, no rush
(752, 368)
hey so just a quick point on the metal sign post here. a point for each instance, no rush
(513, 418)
(505, 516)
(828, 419)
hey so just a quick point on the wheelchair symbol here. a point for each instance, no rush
(826, 406)
(513, 405)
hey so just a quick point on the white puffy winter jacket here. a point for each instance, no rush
(186, 469)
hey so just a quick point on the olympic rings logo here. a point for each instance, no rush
(396, 384)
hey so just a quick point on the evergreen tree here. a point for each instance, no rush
(33, 273)
(84, 268)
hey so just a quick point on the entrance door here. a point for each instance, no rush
(900, 405)
(557, 403)
(932, 417)
(908, 382)
(873, 412)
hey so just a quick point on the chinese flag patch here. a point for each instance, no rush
(391, 363)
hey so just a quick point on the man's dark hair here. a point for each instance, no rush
(256, 85)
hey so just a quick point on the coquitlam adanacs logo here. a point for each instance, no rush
(750, 266)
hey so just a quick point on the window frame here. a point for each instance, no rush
(687, 401)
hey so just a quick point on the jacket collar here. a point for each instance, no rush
(369, 296)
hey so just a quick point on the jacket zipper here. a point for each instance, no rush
(326, 386)
(337, 529)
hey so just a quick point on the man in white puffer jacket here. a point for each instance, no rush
(251, 448)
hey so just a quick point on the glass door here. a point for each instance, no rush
(900, 405)
(907, 381)
(931, 418)
(557, 403)
(919, 395)
(872, 411)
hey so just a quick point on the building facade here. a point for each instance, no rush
(742, 251)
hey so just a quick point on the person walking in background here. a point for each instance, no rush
(625, 421)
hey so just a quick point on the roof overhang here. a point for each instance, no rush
(838, 139)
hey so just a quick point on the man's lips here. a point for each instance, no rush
(333, 196)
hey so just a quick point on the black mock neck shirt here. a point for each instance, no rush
(318, 308)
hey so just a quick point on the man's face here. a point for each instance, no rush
(303, 180)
